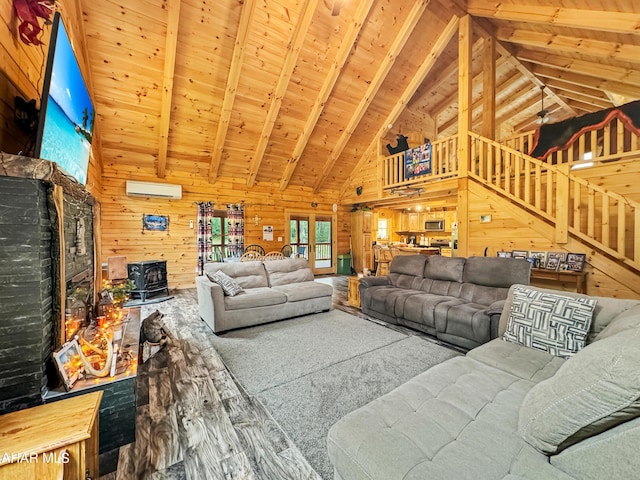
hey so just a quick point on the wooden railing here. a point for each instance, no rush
(573, 205)
(444, 163)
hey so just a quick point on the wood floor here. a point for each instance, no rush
(195, 422)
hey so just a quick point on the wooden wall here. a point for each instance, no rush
(122, 217)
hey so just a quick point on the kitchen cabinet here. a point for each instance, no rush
(414, 222)
(361, 240)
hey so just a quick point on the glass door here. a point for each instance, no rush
(313, 237)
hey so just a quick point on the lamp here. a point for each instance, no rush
(543, 115)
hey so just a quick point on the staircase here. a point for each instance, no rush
(567, 209)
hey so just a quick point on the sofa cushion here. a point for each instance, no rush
(457, 420)
(412, 265)
(523, 362)
(246, 274)
(593, 391)
(554, 323)
(289, 270)
(255, 297)
(444, 268)
(297, 292)
(482, 294)
(229, 285)
(496, 271)
(467, 321)
(422, 308)
(627, 320)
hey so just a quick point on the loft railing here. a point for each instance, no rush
(444, 163)
(606, 220)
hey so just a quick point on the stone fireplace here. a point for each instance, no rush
(35, 280)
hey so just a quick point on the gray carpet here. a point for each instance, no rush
(311, 371)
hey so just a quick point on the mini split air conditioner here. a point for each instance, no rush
(150, 189)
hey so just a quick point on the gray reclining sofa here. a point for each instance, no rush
(458, 300)
(272, 290)
(508, 412)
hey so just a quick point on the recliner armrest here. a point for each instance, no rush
(495, 312)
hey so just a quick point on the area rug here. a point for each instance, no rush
(311, 371)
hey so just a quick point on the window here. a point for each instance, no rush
(383, 233)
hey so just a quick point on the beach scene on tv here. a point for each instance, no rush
(68, 127)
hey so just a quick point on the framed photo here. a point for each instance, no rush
(68, 362)
(519, 254)
(502, 254)
(159, 223)
(541, 256)
(575, 261)
(554, 259)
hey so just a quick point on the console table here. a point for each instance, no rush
(354, 292)
(57, 440)
(562, 276)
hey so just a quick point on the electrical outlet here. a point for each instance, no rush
(190, 223)
(279, 239)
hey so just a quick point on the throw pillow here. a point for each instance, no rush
(556, 324)
(229, 285)
(593, 391)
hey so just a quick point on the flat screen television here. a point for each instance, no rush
(65, 127)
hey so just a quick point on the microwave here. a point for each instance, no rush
(434, 226)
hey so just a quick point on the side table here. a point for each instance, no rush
(578, 278)
(354, 292)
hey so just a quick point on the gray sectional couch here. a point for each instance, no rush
(459, 300)
(273, 290)
(506, 411)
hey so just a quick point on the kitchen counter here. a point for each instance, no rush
(419, 250)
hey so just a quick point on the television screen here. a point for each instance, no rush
(66, 115)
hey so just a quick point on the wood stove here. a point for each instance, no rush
(150, 278)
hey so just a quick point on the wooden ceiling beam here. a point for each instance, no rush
(376, 82)
(417, 79)
(598, 70)
(585, 80)
(576, 97)
(171, 45)
(592, 19)
(293, 51)
(443, 76)
(348, 42)
(477, 112)
(586, 91)
(246, 15)
(565, 43)
(453, 98)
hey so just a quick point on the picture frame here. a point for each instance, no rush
(158, 223)
(541, 256)
(554, 260)
(519, 254)
(503, 254)
(67, 358)
(575, 261)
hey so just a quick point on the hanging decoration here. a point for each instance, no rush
(205, 215)
(28, 12)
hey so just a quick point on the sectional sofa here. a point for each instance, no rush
(459, 300)
(509, 410)
(269, 291)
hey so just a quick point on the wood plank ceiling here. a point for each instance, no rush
(295, 92)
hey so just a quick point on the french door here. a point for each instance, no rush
(313, 236)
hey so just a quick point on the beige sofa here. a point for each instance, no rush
(273, 290)
(507, 411)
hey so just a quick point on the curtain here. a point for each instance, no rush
(235, 219)
(205, 214)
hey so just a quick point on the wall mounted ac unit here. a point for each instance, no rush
(151, 189)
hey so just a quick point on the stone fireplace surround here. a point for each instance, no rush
(33, 255)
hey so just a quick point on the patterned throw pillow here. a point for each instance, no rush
(553, 323)
(229, 285)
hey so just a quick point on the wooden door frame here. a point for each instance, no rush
(311, 215)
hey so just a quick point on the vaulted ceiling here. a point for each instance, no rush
(295, 92)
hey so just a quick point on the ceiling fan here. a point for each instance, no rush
(543, 115)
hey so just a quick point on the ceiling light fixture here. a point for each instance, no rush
(543, 115)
